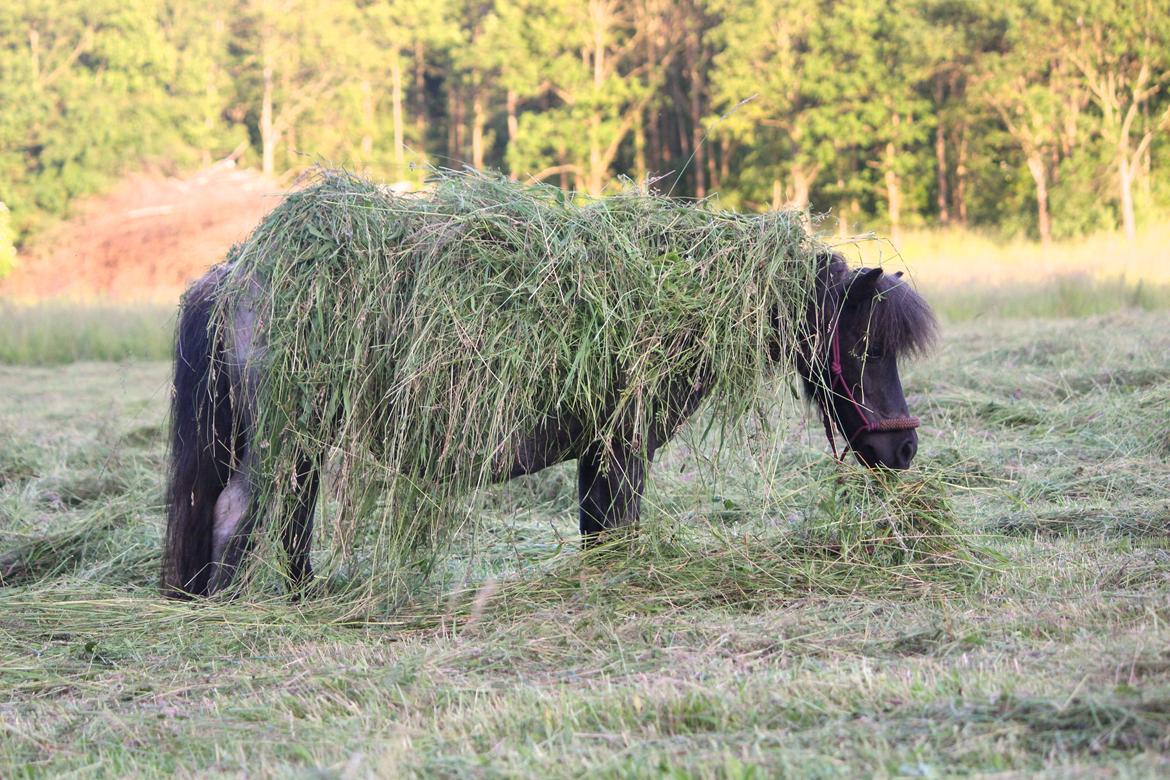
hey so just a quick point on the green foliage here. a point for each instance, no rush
(89, 89)
(883, 112)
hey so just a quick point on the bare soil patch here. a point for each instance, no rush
(146, 239)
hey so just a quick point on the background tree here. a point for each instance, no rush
(868, 97)
(1029, 86)
(1004, 115)
(760, 89)
(1121, 48)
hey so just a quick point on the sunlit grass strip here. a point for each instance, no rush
(55, 333)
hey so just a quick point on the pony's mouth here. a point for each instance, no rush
(886, 449)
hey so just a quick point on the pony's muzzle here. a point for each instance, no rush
(886, 449)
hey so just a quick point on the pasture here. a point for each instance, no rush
(745, 632)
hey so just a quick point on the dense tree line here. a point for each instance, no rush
(1048, 117)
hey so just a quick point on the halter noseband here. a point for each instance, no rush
(838, 378)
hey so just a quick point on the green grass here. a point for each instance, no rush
(762, 625)
(54, 333)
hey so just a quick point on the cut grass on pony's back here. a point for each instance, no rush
(415, 341)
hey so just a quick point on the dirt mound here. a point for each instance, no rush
(146, 239)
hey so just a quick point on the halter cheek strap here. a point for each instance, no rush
(837, 375)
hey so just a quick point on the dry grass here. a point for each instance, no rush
(967, 275)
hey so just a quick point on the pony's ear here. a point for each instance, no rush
(830, 261)
(832, 271)
(864, 282)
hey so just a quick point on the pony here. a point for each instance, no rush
(859, 322)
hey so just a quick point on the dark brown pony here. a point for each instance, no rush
(858, 325)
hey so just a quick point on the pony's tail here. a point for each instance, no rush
(201, 446)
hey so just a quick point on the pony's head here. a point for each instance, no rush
(861, 322)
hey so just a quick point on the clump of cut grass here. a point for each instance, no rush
(416, 341)
(885, 518)
(45, 554)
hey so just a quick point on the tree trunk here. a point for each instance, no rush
(940, 155)
(513, 124)
(562, 154)
(268, 134)
(1125, 176)
(211, 93)
(653, 141)
(893, 195)
(599, 15)
(1143, 162)
(727, 149)
(513, 115)
(478, 120)
(712, 171)
(777, 194)
(960, 201)
(1040, 177)
(420, 98)
(368, 119)
(650, 20)
(696, 111)
(594, 182)
(453, 119)
(396, 106)
(639, 149)
(802, 181)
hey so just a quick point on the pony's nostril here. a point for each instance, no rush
(907, 452)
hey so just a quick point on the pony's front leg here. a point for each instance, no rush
(609, 486)
(297, 532)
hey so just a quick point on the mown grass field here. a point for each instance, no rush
(741, 635)
(775, 616)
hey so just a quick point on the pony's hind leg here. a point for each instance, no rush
(297, 531)
(234, 522)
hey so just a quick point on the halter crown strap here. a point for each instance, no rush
(867, 426)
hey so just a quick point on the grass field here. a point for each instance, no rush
(736, 637)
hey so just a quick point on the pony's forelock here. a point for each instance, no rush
(897, 320)
(901, 322)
